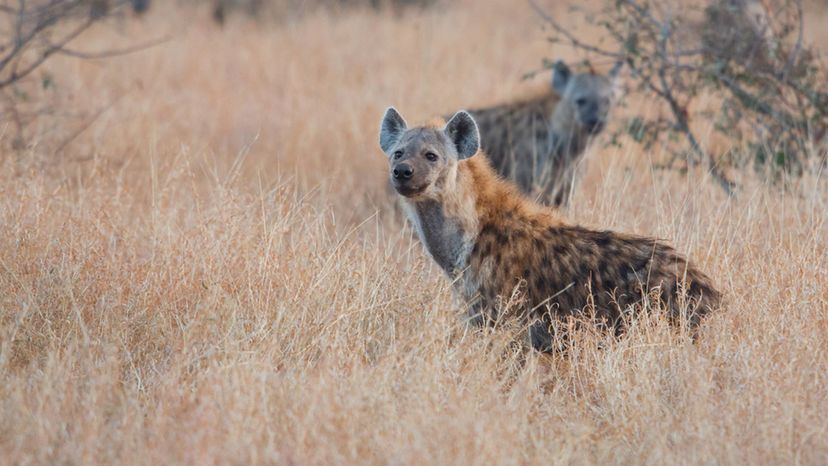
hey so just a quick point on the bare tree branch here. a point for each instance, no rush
(113, 52)
(36, 30)
(570, 37)
(50, 50)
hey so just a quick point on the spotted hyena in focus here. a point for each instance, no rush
(491, 240)
(538, 142)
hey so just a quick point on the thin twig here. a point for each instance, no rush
(48, 52)
(571, 38)
(115, 52)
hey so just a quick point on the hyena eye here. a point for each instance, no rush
(431, 156)
(581, 102)
(397, 154)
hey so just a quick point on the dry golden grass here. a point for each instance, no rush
(212, 271)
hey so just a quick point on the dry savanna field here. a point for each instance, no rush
(200, 264)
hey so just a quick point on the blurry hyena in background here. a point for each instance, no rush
(538, 142)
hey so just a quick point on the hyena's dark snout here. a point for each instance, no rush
(594, 124)
(594, 118)
(402, 172)
(407, 180)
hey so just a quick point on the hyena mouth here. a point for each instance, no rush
(409, 191)
(596, 128)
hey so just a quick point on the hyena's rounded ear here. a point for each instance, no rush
(615, 71)
(392, 127)
(616, 79)
(462, 131)
(560, 76)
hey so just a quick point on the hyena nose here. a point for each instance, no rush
(403, 171)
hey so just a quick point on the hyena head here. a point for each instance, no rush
(586, 98)
(423, 160)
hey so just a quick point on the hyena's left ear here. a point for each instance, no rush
(462, 131)
(392, 128)
(560, 77)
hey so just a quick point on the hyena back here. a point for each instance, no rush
(490, 240)
(538, 142)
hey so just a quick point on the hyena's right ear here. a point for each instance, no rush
(392, 127)
(560, 77)
(616, 79)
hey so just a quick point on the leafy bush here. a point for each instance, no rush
(769, 86)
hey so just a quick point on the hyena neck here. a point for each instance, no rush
(446, 226)
(444, 236)
(570, 144)
(449, 227)
(449, 224)
(568, 139)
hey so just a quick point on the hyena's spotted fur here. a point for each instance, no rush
(538, 142)
(491, 240)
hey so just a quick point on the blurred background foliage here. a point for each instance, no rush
(767, 85)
